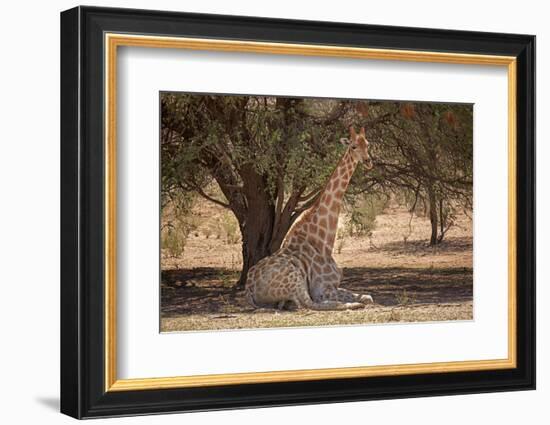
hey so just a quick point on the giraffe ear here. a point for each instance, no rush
(345, 141)
(352, 133)
(362, 131)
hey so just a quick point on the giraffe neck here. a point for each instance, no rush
(320, 222)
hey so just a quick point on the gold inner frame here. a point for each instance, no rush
(113, 41)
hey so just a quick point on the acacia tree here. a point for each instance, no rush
(269, 156)
(425, 151)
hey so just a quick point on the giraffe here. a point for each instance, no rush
(303, 272)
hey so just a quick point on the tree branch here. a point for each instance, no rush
(202, 193)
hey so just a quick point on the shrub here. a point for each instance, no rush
(362, 220)
(177, 223)
(174, 239)
(340, 242)
(230, 228)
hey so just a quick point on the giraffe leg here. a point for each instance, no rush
(346, 295)
(329, 305)
(281, 305)
(328, 301)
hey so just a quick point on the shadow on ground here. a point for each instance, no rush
(210, 290)
(419, 248)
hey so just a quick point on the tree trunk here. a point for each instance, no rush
(258, 238)
(442, 222)
(433, 216)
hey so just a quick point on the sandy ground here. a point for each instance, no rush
(409, 281)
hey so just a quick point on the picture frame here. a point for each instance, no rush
(90, 40)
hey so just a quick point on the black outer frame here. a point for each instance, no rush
(82, 212)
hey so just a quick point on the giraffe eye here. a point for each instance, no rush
(354, 147)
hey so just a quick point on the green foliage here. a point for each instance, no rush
(226, 137)
(340, 242)
(363, 212)
(177, 223)
(270, 155)
(424, 154)
(230, 229)
(228, 278)
(174, 241)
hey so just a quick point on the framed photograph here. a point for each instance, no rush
(261, 212)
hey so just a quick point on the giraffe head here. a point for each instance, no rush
(358, 146)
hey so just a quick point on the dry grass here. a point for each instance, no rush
(409, 281)
(304, 318)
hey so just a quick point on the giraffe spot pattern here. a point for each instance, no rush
(303, 270)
